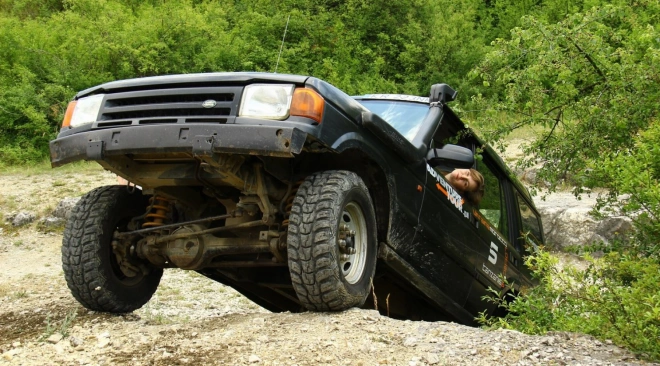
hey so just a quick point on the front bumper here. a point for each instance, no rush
(192, 139)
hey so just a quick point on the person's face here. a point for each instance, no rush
(462, 180)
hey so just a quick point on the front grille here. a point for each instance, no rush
(168, 99)
(175, 112)
(180, 105)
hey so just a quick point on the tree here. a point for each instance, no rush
(592, 82)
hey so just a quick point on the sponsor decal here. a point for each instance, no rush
(497, 235)
(486, 224)
(492, 258)
(494, 249)
(491, 274)
(443, 186)
(481, 219)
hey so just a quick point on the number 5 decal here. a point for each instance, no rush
(493, 253)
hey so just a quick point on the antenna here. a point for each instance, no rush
(282, 45)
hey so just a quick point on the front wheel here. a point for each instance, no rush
(332, 241)
(100, 277)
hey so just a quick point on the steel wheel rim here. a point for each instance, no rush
(353, 267)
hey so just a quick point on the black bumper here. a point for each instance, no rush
(196, 140)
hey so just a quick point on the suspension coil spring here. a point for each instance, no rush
(289, 203)
(159, 208)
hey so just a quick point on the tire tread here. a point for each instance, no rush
(313, 262)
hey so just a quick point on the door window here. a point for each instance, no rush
(531, 223)
(492, 205)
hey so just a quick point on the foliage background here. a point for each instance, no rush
(584, 73)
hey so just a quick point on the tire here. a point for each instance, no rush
(322, 279)
(90, 265)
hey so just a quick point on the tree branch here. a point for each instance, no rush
(588, 57)
(557, 120)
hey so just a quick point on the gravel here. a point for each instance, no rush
(194, 321)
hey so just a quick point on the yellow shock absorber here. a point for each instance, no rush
(159, 208)
(289, 203)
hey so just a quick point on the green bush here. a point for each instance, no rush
(615, 297)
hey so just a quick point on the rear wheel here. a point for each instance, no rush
(102, 278)
(332, 241)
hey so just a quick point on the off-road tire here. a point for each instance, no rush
(317, 272)
(90, 266)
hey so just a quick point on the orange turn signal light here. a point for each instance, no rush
(68, 114)
(307, 103)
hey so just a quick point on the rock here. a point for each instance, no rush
(54, 338)
(527, 176)
(567, 221)
(64, 207)
(52, 221)
(431, 358)
(549, 341)
(613, 228)
(103, 342)
(254, 359)
(9, 355)
(75, 341)
(23, 218)
(410, 342)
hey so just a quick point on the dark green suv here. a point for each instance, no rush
(293, 193)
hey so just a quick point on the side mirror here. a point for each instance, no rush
(442, 93)
(450, 157)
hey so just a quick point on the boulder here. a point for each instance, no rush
(23, 218)
(567, 222)
(52, 221)
(63, 209)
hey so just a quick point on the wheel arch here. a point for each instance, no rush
(353, 153)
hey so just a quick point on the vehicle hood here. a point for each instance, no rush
(182, 79)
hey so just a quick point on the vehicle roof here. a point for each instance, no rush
(400, 97)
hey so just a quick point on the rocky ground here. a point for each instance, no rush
(194, 321)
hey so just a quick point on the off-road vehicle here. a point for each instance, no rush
(291, 192)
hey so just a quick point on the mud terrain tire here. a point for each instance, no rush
(324, 203)
(90, 266)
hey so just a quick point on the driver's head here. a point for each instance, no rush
(469, 183)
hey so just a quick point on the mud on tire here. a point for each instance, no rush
(327, 206)
(90, 266)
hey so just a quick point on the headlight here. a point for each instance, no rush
(83, 111)
(270, 101)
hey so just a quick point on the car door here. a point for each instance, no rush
(492, 219)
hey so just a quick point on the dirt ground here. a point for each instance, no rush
(194, 321)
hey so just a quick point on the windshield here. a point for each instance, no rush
(405, 117)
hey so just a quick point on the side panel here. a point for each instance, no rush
(448, 240)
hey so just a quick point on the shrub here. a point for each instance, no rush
(616, 297)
